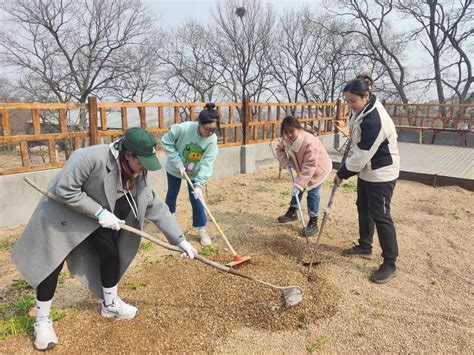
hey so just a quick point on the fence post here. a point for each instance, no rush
(338, 115)
(337, 136)
(245, 124)
(92, 107)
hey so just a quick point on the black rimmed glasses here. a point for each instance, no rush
(210, 131)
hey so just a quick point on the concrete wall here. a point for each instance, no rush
(18, 199)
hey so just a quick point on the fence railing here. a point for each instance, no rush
(38, 136)
(42, 136)
(435, 118)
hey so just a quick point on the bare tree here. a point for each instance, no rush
(141, 73)
(294, 59)
(445, 31)
(244, 33)
(189, 71)
(375, 40)
(69, 49)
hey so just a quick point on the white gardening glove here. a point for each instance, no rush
(198, 193)
(189, 251)
(295, 190)
(180, 166)
(108, 219)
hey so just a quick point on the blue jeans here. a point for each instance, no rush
(174, 185)
(312, 200)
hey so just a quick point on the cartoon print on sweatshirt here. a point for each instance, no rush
(192, 154)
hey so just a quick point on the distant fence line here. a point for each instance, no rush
(65, 127)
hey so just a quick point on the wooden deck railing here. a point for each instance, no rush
(435, 118)
(53, 131)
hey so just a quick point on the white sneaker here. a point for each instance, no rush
(45, 337)
(205, 239)
(119, 309)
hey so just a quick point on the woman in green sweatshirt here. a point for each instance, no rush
(192, 148)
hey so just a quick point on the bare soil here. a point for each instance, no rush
(186, 306)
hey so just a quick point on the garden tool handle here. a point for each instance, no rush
(300, 210)
(140, 233)
(212, 217)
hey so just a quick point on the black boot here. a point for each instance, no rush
(385, 273)
(289, 216)
(312, 227)
(357, 250)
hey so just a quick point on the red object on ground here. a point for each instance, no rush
(236, 257)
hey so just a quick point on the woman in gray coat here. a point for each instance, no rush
(108, 181)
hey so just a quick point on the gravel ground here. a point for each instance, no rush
(186, 306)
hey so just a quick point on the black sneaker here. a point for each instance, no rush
(289, 216)
(356, 250)
(312, 227)
(385, 273)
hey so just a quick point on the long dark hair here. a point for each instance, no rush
(129, 181)
(209, 115)
(360, 86)
(289, 121)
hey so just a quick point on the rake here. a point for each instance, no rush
(291, 295)
(237, 258)
(326, 211)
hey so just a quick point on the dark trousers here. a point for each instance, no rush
(373, 205)
(104, 240)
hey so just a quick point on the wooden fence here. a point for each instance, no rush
(52, 131)
(433, 118)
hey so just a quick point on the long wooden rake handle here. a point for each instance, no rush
(328, 208)
(135, 231)
(297, 198)
(210, 215)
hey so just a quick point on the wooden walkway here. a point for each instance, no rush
(437, 165)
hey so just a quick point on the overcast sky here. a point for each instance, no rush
(176, 11)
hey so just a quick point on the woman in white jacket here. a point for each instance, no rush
(374, 158)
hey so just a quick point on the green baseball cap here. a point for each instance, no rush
(141, 143)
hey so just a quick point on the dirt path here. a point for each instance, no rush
(187, 307)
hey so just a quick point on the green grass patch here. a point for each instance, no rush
(15, 318)
(57, 314)
(302, 324)
(23, 305)
(207, 251)
(15, 325)
(370, 271)
(285, 194)
(312, 348)
(329, 183)
(349, 186)
(360, 332)
(6, 244)
(20, 284)
(145, 246)
(135, 284)
(152, 261)
(456, 213)
(355, 291)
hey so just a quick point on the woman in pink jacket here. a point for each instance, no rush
(307, 156)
